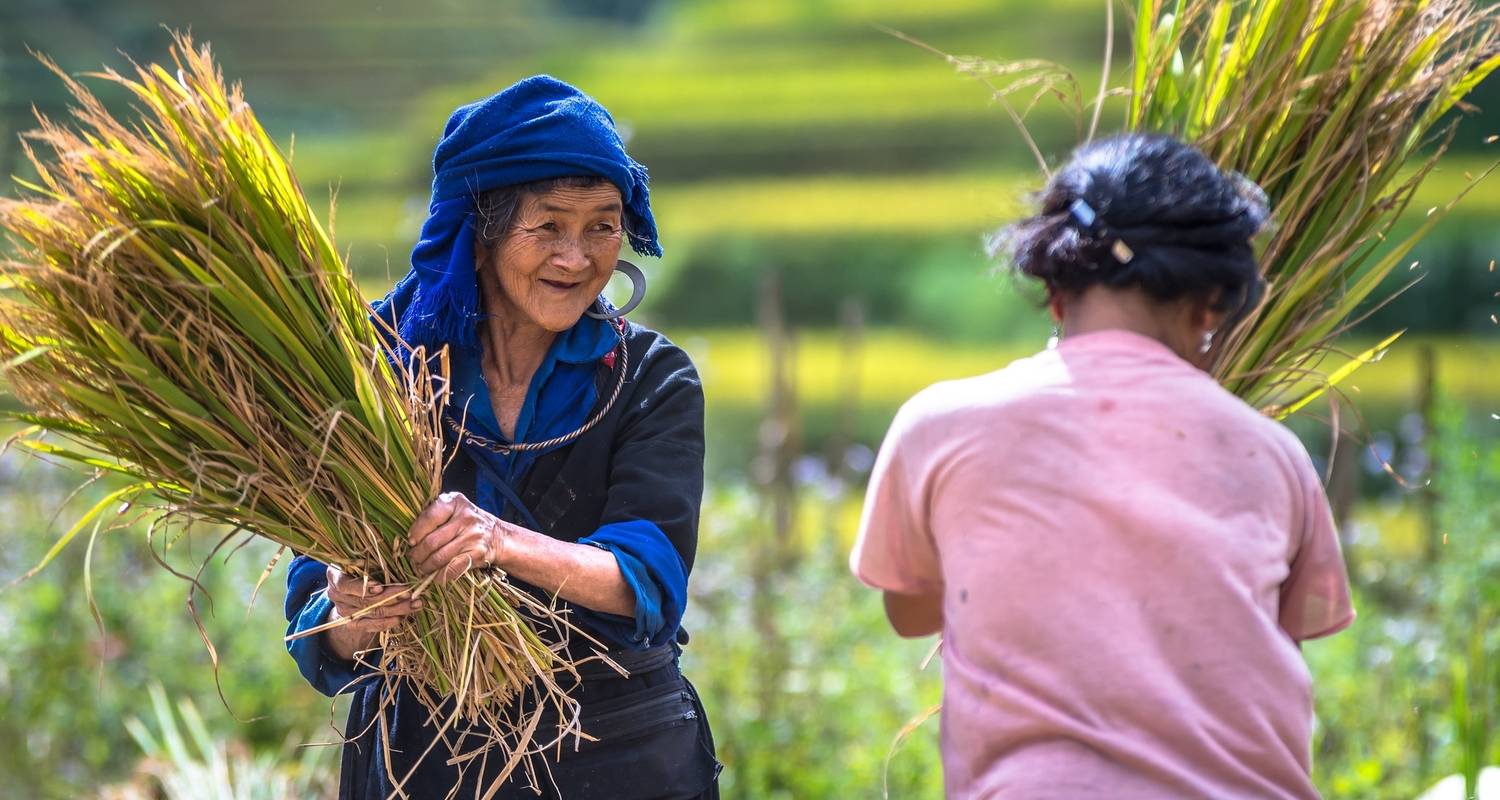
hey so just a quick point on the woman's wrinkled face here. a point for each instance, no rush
(559, 254)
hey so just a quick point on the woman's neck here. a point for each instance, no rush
(513, 350)
(1083, 319)
(514, 346)
(1099, 309)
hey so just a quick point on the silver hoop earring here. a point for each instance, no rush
(1208, 342)
(637, 293)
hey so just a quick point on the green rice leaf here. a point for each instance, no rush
(1338, 376)
(109, 501)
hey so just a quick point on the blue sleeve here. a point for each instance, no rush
(308, 606)
(655, 573)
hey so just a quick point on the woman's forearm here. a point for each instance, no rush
(579, 573)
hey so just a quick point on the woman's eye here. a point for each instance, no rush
(548, 226)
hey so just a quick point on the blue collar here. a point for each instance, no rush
(584, 344)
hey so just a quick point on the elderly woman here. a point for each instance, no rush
(577, 468)
(1122, 556)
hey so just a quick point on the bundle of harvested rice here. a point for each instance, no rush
(177, 317)
(1337, 109)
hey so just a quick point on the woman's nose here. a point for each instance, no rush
(570, 254)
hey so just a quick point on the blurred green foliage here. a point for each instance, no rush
(69, 686)
(1409, 694)
(803, 682)
(186, 761)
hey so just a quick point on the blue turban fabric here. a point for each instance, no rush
(538, 129)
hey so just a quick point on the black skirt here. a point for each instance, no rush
(653, 743)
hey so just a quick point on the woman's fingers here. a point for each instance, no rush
(368, 622)
(355, 591)
(468, 550)
(434, 516)
(355, 602)
(352, 595)
(369, 607)
(394, 610)
(365, 629)
(462, 561)
(436, 540)
(352, 586)
(437, 558)
(382, 625)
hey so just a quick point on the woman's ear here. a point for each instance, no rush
(1208, 314)
(484, 258)
(1202, 332)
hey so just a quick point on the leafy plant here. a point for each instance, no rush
(1323, 104)
(183, 761)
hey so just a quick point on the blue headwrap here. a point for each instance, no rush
(538, 129)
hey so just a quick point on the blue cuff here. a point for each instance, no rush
(653, 570)
(308, 606)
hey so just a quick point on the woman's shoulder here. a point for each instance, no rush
(1294, 455)
(653, 352)
(1007, 384)
(953, 405)
(1232, 418)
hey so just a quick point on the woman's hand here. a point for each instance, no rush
(349, 595)
(452, 536)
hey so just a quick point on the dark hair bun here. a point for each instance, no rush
(1185, 225)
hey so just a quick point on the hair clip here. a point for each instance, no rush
(1086, 217)
(1083, 214)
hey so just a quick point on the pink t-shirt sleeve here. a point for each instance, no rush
(895, 550)
(1315, 598)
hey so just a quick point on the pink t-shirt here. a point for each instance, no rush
(1127, 556)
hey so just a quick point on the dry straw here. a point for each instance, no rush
(176, 316)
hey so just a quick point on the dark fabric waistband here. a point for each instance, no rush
(635, 662)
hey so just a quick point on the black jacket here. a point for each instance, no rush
(644, 460)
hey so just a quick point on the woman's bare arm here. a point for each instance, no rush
(914, 615)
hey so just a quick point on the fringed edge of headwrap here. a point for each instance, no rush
(445, 316)
(443, 308)
(643, 235)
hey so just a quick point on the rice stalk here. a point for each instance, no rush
(177, 317)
